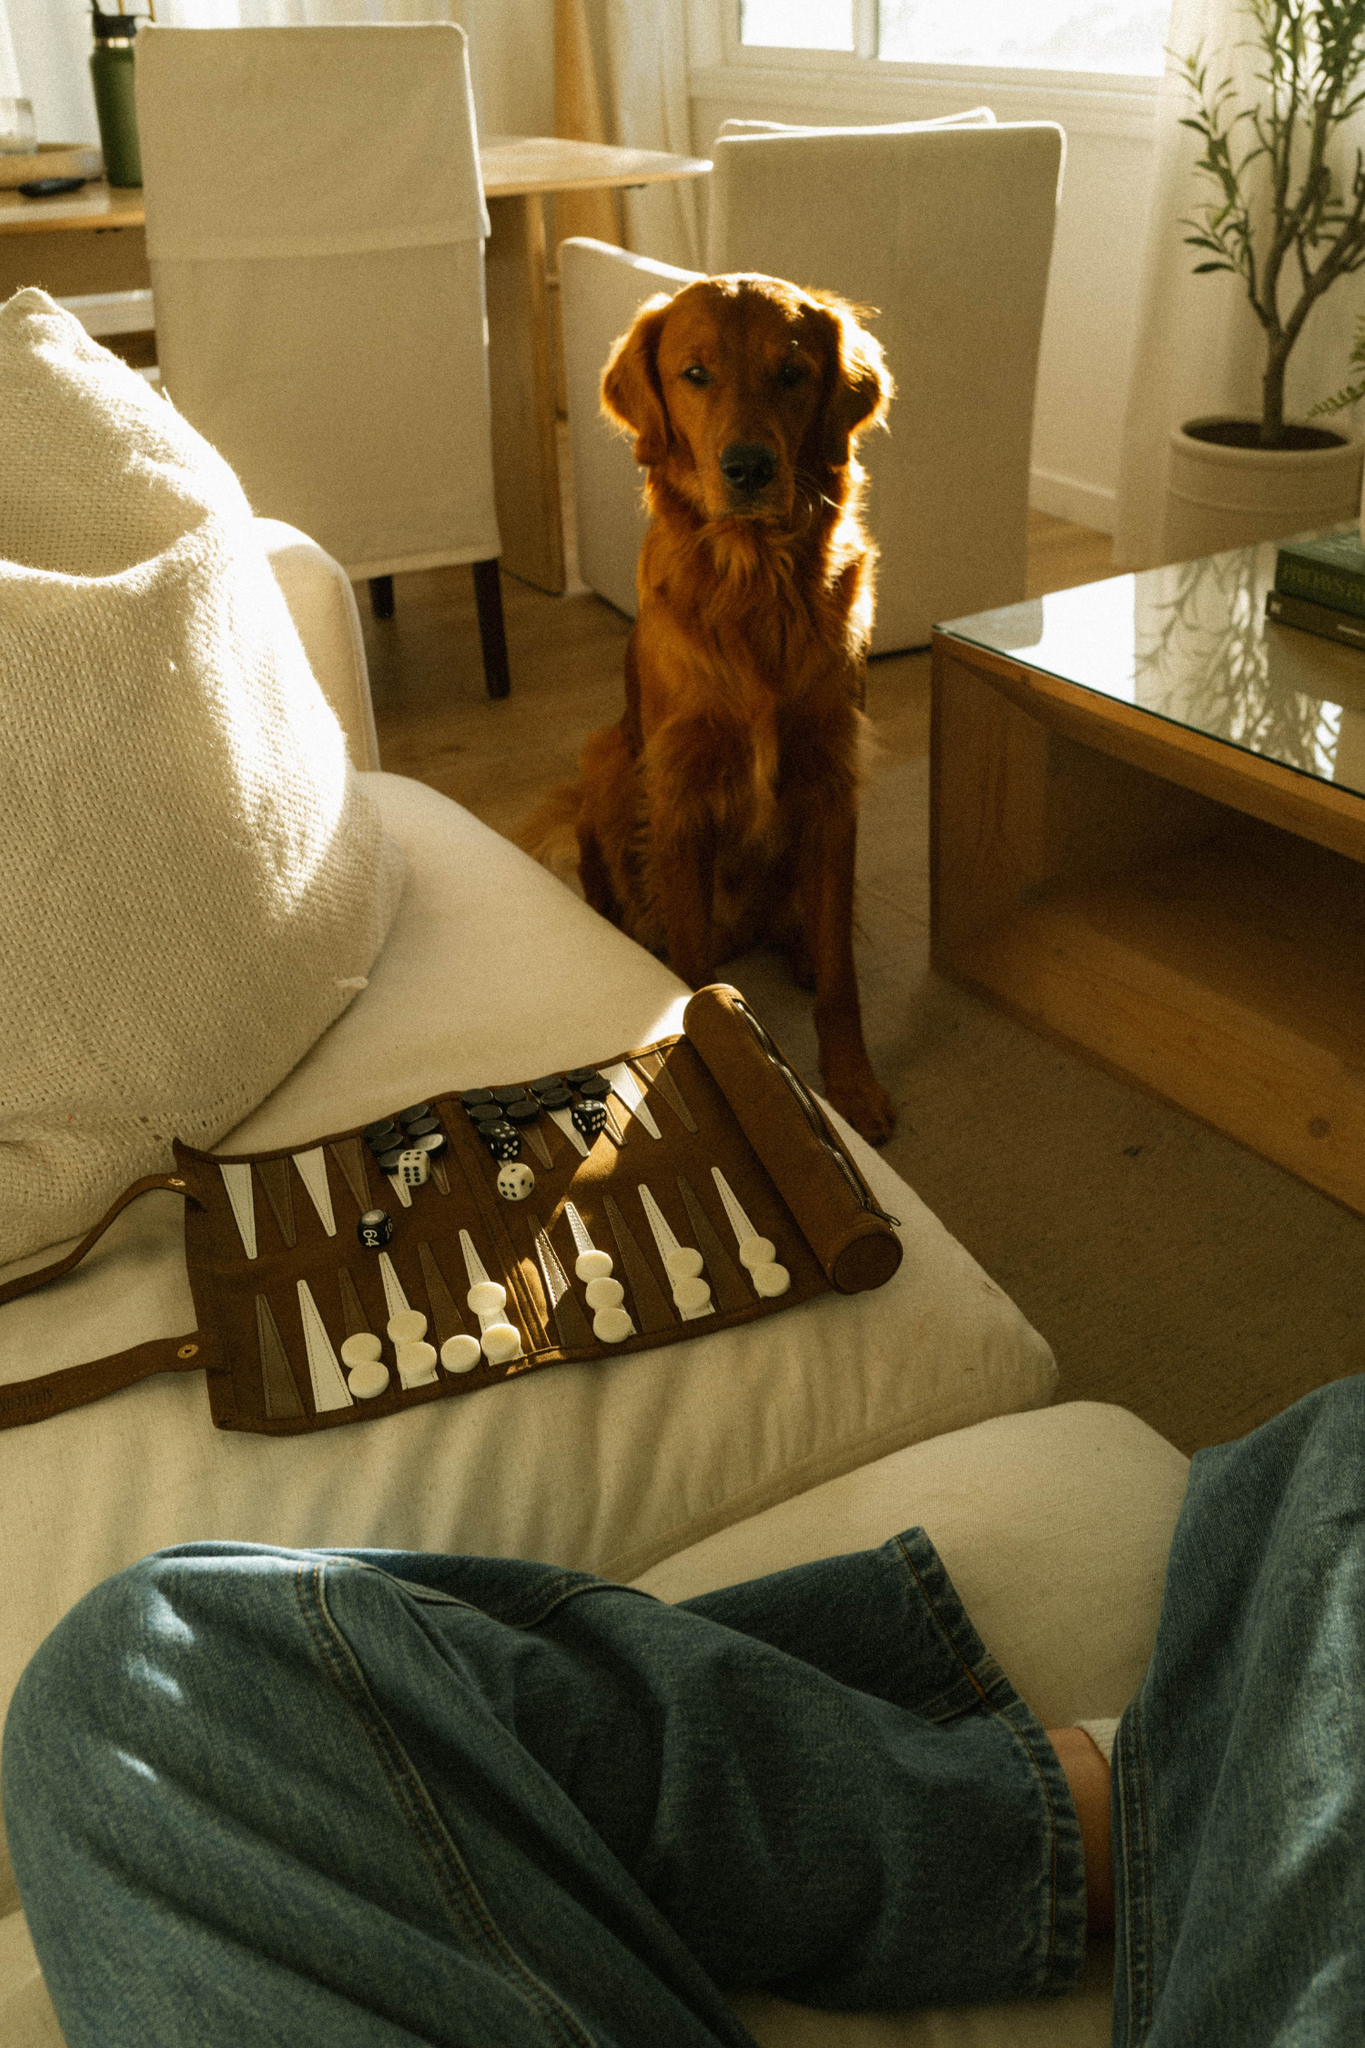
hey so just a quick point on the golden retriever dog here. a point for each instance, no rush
(721, 810)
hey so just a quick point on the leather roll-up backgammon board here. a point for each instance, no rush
(461, 1241)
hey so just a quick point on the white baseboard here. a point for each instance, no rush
(1066, 497)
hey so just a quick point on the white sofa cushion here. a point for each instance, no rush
(1055, 1529)
(609, 1466)
(195, 880)
(492, 971)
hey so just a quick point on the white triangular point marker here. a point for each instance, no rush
(494, 1311)
(739, 1222)
(313, 1173)
(237, 1181)
(578, 1229)
(569, 1128)
(658, 1223)
(691, 1296)
(473, 1264)
(757, 1254)
(324, 1367)
(393, 1287)
(400, 1189)
(624, 1084)
(591, 1264)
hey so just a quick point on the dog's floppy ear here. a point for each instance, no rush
(631, 392)
(860, 387)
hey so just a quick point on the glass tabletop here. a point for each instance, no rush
(1191, 644)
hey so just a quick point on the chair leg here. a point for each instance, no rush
(492, 635)
(381, 596)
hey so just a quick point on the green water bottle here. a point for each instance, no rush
(111, 72)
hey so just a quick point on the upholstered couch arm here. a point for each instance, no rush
(323, 608)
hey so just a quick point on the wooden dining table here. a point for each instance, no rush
(92, 241)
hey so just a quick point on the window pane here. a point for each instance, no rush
(797, 24)
(1048, 35)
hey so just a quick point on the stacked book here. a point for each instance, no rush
(1320, 587)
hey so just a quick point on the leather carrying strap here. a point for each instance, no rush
(72, 1386)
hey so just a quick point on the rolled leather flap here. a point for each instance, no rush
(814, 1173)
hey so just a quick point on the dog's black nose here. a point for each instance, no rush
(747, 465)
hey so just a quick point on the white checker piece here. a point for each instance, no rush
(364, 1348)
(500, 1341)
(416, 1363)
(461, 1354)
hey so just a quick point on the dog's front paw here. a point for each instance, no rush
(866, 1105)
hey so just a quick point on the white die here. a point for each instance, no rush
(412, 1169)
(515, 1181)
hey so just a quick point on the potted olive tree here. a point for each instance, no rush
(1281, 217)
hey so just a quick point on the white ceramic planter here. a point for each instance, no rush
(1225, 497)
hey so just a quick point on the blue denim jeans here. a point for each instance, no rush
(299, 1797)
(1239, 1770)
(264, 1796)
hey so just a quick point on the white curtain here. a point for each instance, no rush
(1200, 348)
(10, 88)
(648, 109)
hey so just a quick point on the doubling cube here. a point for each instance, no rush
(374, 1229)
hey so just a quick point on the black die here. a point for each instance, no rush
(589, 1118)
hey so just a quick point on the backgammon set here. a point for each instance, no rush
(462, 1241)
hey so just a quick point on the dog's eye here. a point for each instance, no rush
(695, 374)
(790, 374)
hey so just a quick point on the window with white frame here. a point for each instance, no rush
(1118, 37)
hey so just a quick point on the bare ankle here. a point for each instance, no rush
(1087, 1773)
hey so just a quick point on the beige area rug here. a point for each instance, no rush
(1172, 1271)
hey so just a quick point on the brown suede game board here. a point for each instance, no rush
(708, 1189)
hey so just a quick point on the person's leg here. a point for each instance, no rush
(292, 1796)
(1239, 1770)
(226, 1828)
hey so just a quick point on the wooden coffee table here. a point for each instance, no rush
(1147, 841)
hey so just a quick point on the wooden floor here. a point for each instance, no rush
(436, 724)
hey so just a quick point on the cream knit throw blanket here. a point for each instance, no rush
(195, 882)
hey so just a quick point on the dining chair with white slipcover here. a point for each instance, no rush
(946, 228)
(315, 233)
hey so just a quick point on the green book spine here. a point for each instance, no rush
(1340, 590)
(1315, 618)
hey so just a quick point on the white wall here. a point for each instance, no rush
(1091, 318)
(52, 46)
(511, 58)
(1091, 315)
